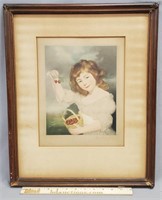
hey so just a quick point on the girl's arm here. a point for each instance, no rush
(56, 84)
(95, 126)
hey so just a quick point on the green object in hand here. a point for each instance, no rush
(72, 107)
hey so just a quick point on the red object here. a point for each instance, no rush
(57, 81)
(71, 121)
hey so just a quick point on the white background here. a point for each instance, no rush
(6, 192)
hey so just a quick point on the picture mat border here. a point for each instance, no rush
(135, 133)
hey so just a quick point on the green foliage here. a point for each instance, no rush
(55, 125)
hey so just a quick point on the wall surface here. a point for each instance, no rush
(6, 192)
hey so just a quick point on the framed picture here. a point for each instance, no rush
(107, 52)
(81, 83)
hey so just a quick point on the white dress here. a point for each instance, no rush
(99, 105)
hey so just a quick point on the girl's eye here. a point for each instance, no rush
(87, 77)
(79, 81)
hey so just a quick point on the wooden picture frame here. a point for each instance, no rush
(131, 162)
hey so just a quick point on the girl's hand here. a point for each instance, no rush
(56, 85)
(76, 131)
(95, 126)
(54, 74)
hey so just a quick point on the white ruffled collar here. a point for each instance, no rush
(96, 95)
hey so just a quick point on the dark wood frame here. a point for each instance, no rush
(148, 8)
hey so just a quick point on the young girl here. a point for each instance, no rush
(89, 92)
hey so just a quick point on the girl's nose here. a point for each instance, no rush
(85, 83)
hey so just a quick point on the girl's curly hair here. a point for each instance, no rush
(90, 67)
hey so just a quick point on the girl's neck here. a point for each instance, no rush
(96, 94)
(93, 91)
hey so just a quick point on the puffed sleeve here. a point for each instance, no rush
(105, 111)
(70, 96)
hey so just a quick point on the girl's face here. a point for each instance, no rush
(86, 81)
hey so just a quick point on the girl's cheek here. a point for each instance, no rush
(80, 85)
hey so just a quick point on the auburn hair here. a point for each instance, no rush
(90, 67)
